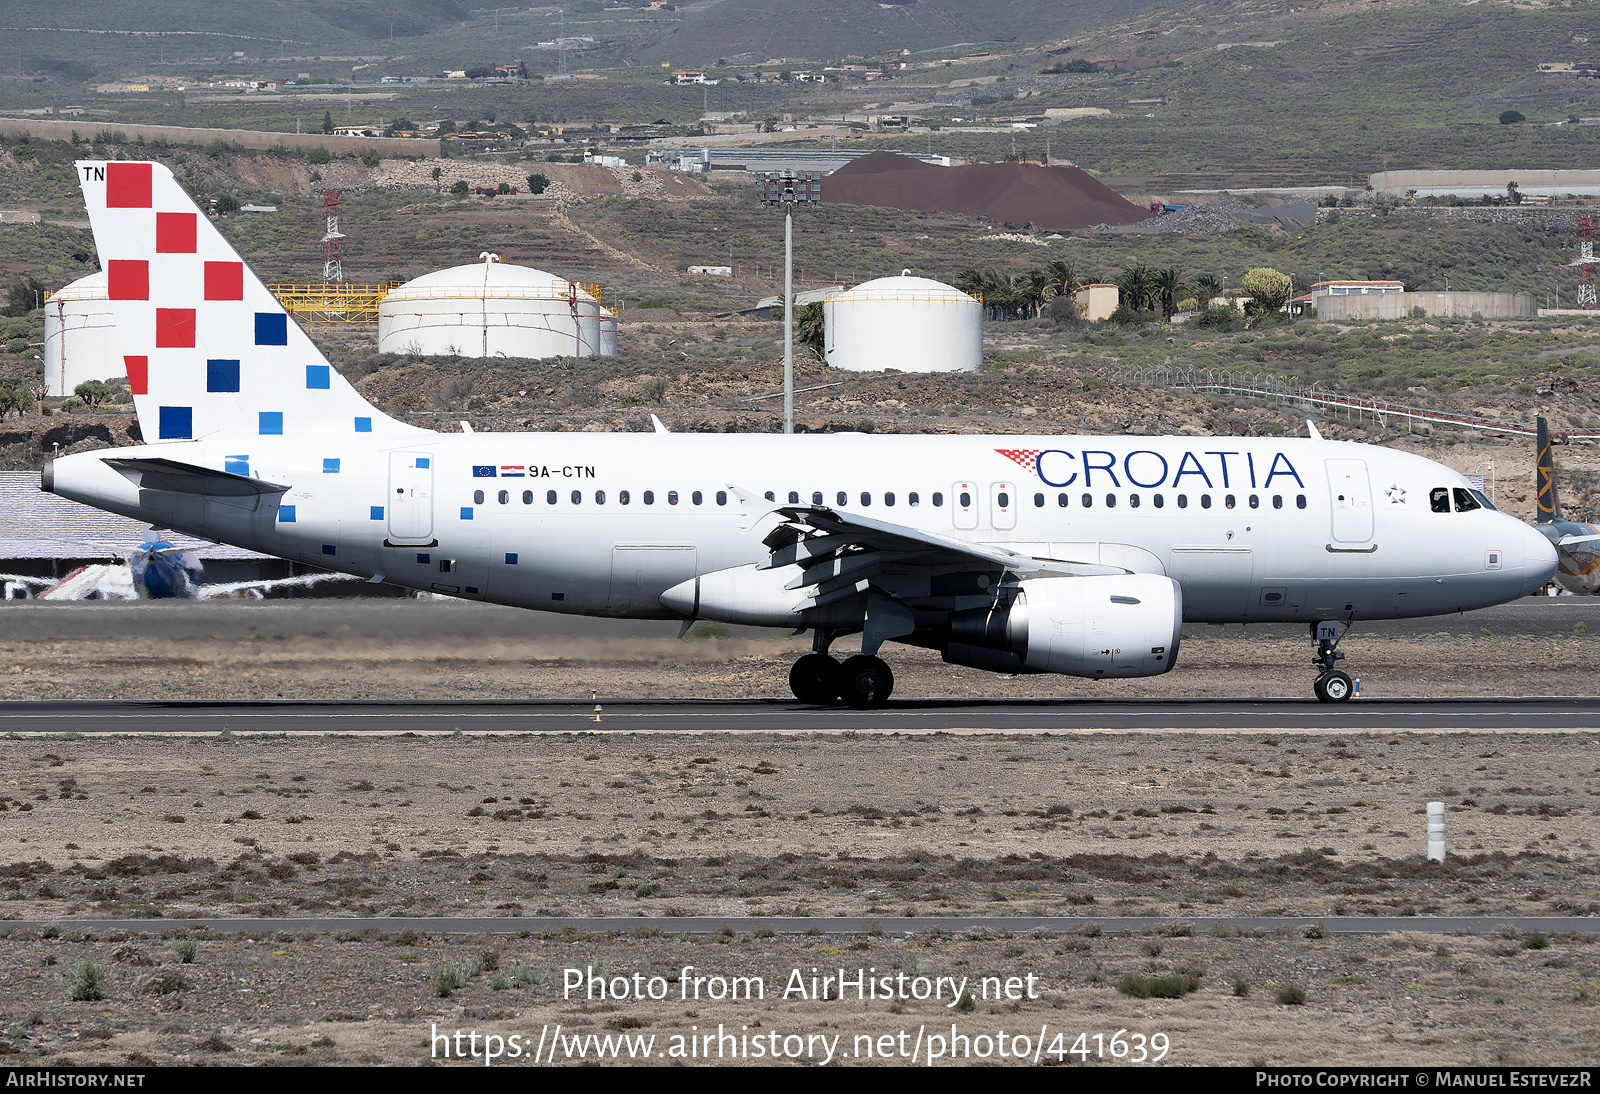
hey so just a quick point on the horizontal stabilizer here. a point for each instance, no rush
(187, 478)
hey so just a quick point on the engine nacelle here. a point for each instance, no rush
(1103, 627)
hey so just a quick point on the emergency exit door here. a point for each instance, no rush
(1350, 495)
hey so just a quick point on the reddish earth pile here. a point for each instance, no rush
(1010, 193)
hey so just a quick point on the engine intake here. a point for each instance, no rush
(1104, 627)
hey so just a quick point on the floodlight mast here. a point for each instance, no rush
(788, 189)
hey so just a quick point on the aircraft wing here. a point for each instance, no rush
(228, 588)
(836, 548)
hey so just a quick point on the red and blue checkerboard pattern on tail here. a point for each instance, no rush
(208, 350)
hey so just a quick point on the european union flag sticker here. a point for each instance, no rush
(483, 471)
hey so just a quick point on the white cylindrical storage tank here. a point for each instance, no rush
(80, 336)
(493, 309)
(913, 324)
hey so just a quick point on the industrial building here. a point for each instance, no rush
(491, 308)
(1097, 302)
(912, 324)
(80, 336)
(1434, 305)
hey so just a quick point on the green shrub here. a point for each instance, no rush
(318, 155)
(84, 981)
(185, 949)
(370, 157)
(1157, 987)
(1291, 996)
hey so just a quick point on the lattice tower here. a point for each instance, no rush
(332, 260)
(1586, 263)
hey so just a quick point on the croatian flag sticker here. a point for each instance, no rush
(513, 471)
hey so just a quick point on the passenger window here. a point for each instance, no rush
(866, 499)
(1161, 501)
(1205, 501)
(1133, 501)
(1111, 501)
(1255, 501)
(1299, 501)
(577, 497)
(623, 497)
(722, 497)
(1088, 501)
(1004, 499)
(1061, 500)
(913, 500)
(649, 497)
(841, 498)
(1465, 502)
(938, 500)
(771, 496)
(816, 497)
(477, 497)
(1183, 501)
(1277, 501)
(794, 497)
(697, 497)
(966, 500)
(599, 497)
(888, 498)
(505, 496)
(549, 497)
(1228, 501)
(672, 497)
(1439, 499)
(1038, 501)
(527, 497)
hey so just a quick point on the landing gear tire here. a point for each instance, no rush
(865, 682)
(815, 679)
(1334, 687)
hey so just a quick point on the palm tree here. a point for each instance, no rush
(1136, 287)
(999, 299)
(1028, 291)
(1206, 288)
(970, 281)
(1166, 285)
(1059, 280)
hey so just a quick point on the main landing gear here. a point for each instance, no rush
(1333, 685)
(820, 679)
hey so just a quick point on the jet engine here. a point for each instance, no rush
(1103, 626)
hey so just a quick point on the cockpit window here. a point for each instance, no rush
(1465, 502)
(1483, 501)
(1439, 499)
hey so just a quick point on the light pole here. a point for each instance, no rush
(786, 189)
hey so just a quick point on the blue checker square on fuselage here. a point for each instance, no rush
(285, 514)
(222, 375)
(363, 425)
(272, 328)
(236, 465)
(330, 467)
(318, 376)
(377, 512)
(176, 422)
(271, 423)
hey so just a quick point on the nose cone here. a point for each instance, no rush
(1538, 558)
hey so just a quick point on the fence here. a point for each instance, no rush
(1352, 407)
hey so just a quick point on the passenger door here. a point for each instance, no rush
(410, 504)
(1350, 495)
(1003, 505)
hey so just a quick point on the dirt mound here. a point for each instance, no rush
(1009, 193)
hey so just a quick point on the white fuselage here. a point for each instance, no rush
(1253, 529)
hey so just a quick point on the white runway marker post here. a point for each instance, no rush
(1436, 831)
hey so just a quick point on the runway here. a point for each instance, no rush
(887, 925)
(1552, 714)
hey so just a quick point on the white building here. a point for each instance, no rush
(495, 309)
(80, 336)
(912, 324)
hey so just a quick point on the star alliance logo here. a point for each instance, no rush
(1397, 495)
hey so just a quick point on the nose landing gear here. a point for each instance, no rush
(1332, 685)
(860, 681)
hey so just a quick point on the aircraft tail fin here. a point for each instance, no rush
(208, 350)
(1548, 508)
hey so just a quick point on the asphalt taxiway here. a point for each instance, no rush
(1520, 715)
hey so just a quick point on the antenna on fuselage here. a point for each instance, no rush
(1311, 428)
(657, 423)
(1547, 508)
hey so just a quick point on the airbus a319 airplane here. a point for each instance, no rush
(1075, 555)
